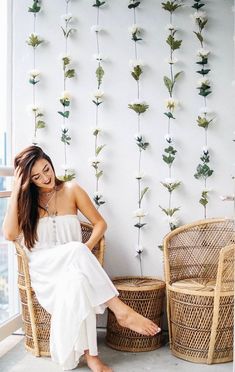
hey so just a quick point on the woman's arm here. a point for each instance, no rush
(10, 225)
(87, 208)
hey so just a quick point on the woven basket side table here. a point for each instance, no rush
(146, 296)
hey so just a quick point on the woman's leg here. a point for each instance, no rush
(96, 364)
(129, 318)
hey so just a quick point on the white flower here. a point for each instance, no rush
(171, 60)
(203, 52)
(67, 167)
(173, 221)
(35, 141)
(65, 95)
(204, 110)
(207, 190)
(96, 28)
(140, 213)
(34, 73)
(199, 15)
(138, 102)
(139, 175)
(98, 94)
(170, 180)
(170, 27)
(168, 138)
(97, 195)
(99, 57)
(33, 109)
(138, 249)
(203, 81)
(67, 17)
(205, 150)
(134, 29)
(135, 62)
(171, 103)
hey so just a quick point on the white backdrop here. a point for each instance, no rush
(118, 184)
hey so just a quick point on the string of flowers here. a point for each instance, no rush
(203, 171)
(65, 98)
(97, 99)
(34, 75)
(139, 107)
(170, 151)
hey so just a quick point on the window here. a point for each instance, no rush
(9, 303)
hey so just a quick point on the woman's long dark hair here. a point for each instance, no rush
(28, 199)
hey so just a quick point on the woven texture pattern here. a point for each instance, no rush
(199, 271)
(36, 319)
(145, 295)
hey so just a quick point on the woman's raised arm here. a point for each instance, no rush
(87, 208)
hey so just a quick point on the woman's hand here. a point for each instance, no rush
(17, 180)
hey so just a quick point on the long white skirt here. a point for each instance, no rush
(72, 286)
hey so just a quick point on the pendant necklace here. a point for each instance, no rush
(52, 215)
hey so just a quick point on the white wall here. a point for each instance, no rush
(120, 155)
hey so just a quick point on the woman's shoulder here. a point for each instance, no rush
(72, 186)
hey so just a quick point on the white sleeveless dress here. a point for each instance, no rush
(71, 285)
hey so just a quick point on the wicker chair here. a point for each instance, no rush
(36, 320)
(199, 272)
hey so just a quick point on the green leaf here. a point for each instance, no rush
(98, 149)
(139, 108)
(169, 211)
(64, 114)
(134, 5)
(143, 192)
(199, 36)
(169, 115)
(204, 71)
(197, 6)
(33, 81)
(35, 8)
(99, 75)
(203, 122)
(168, 159)
(70, 73)
(40, 124)
(169, 84)
(140, 225)
(137, 72)
(174, 44)
(34, 41)
(98, 3)
(170, 6)
(99, 174)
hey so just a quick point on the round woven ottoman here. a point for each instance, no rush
(145, 295)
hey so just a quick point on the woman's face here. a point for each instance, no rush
(42, 175)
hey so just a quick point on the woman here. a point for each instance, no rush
(68, 280)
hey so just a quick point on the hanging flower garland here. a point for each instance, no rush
(65, 98)
(139, 107)
(170, 151)
(204, 120)
(34, 75)
(97, 99)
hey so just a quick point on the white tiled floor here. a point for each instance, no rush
(161, 360)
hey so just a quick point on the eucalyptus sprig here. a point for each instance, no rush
(35, 7)
(133, 4)
(203, 169)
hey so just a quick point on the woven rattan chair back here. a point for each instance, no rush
(36, 320)
(201, 321)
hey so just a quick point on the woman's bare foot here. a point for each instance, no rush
(129, 318)
(95, 363)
